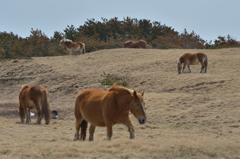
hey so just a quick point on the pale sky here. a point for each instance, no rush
(207, 18)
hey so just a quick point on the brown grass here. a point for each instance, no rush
(189, 115)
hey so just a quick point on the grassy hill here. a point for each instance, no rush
(191, 115)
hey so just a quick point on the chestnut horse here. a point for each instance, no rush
(107, 108)
(135, 44)
(34, 97)
(192, 59)
(73, 46)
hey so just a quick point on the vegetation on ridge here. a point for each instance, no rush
(106, 34)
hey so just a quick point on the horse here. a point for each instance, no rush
(34, 97)
(73, 46)
(107, 108)
(192, 59)
(135, 44)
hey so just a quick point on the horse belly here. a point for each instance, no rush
(30, 104)
(95, 120)
(93, 114)
(195, 62)
(76, 48)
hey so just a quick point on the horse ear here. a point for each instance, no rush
(142, 93)
(134, 94)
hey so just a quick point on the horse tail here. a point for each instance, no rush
(83, 49)
(206, 63)
(83, 126)
(45, 107)
(21, 113)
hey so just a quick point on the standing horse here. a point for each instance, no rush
(73, 46)
(34, 97)
(135, 44)
(107, 108)
(192, 59)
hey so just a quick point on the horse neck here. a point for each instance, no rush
(68, 44)
(124, 99)
(180, 60)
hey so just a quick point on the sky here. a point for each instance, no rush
(207, 18)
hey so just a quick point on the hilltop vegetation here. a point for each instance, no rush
(106, 34)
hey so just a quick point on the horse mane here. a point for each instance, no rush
(115, 88)
(25, 86)
(127, 42)
(179, 61)
(66, 40)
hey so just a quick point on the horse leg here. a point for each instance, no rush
(77, 127)
(27, 115)
(70, 52)
(39, 115)
(91, 132)
(189, 68)
(130, 126)
(202, 68)
(109, 131)
(184, 65)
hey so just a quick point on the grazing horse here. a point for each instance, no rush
(192, 59)
(34, 97)
(135, 44)
(107, 108)
(73, 46)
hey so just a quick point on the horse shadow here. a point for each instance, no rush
(27, 123)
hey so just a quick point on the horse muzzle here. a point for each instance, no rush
(142, 120)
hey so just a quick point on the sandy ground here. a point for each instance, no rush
(191, 115)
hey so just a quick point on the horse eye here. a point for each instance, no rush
(137, 104)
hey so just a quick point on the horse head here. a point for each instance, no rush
(179, 66)
(62, 42)
(137, 107)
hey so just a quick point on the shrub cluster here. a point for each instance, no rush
(111, 79)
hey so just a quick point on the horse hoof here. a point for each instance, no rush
(90, 139)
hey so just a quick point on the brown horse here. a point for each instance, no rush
(135, 44)
(34, 97)
(192, 59)
(107, 108)
(73, 46)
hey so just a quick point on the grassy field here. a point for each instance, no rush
(190, 115)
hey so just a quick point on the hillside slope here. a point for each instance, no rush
(190, 115)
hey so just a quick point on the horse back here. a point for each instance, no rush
(127, 44)
(30, 97)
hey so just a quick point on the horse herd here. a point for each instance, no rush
(96, 106)
(80, 46)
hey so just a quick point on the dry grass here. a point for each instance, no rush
(189, 115)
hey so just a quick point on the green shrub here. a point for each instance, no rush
(110, 79)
